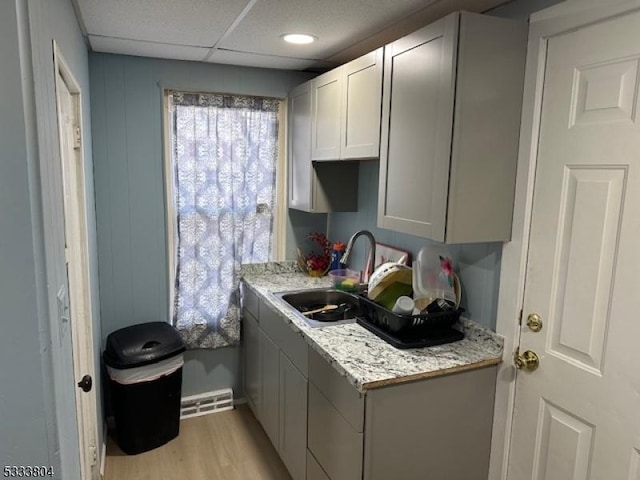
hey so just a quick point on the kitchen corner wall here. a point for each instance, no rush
(126, 113)
(478, 265)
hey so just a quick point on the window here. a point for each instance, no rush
(221, 202)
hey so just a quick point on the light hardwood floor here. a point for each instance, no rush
(222, 446)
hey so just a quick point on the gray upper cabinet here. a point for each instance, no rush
(275, 381)
(325, 121)
(327, 187)
(293, 418)
(345, 105)
(452, 97)
(334, 117)
(361, 104)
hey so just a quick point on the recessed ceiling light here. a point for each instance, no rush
(298, 38)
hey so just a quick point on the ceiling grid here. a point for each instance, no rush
(249, 32)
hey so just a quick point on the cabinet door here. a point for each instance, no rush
(269, 412)
(314, 470)
(361, 105)
(326, 115)
(252, 382)
(417, 114)
(332, 440)
(300, 168)
(293, 418)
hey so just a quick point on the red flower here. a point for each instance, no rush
(319, 261)
(446, 270)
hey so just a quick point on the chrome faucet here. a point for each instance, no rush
(354, 237)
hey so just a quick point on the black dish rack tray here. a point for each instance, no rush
(419, 324)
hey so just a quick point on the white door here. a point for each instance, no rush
(76, 252)
(578, 415)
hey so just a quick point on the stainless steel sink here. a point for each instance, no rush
(307, 300)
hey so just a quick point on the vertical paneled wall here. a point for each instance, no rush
(126, 107)
(37, 406)
(23, 415)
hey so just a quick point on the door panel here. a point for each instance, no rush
(564, 445)
(80, 321)
(590, 213)
(576, 417)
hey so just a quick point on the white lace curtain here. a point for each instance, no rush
(224, 154)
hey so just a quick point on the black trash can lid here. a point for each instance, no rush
(142, 344)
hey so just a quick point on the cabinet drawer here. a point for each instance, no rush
(314, 470)
(250, 302)
(337, 389)
(290, 342)
(331, 439)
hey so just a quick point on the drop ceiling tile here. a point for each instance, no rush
(193, 22)
(146, 49)
(338, 24)
(264, 61)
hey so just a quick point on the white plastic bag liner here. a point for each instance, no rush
(146, 373)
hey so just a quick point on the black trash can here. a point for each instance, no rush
(144, 363)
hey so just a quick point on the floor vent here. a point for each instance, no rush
(205, 403)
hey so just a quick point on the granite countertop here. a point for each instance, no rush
(364, 359)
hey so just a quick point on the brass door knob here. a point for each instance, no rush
(528, 361)
(534, 322)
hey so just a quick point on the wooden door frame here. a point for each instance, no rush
(78, 250)
(548, 23)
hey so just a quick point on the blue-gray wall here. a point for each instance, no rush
(37, 407)
(23, 421)
(126, 107)
(477, 264)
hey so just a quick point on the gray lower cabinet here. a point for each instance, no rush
(293, 418)
(314, 470)
(325, 429)
(275, 383)
(252, 373)
(270, 410)
(436, 429)
(332, 440)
